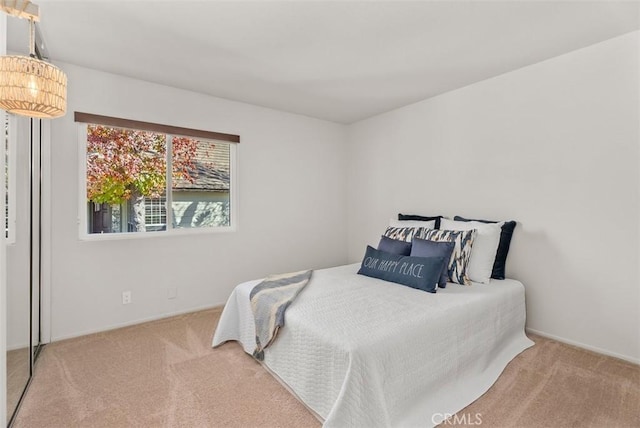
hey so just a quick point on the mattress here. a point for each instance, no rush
(360, 351)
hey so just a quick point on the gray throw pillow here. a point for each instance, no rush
(426, 248)
(421, 273)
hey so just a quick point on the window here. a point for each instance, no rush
(143, 180)
(155, 213)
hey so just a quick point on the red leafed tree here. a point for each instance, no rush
(127, 165)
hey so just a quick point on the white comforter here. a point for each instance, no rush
(362, 352)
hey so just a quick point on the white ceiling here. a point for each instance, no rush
(340, 61)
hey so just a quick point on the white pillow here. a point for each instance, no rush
(431, 224)
(484, 248)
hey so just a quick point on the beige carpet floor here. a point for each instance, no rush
(165, 374)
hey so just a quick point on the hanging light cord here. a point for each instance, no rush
(32, 38)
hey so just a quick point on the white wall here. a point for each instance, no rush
(292, 208)
(554, 146)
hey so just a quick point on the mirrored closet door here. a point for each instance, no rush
(22, 140)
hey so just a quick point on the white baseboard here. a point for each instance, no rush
(582, 345)
(135, 322)
(15, 347)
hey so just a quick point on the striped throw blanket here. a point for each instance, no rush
(269, 301)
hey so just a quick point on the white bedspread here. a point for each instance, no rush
(364, 352)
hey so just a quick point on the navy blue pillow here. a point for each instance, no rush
(421, 218)
(506, 233)
(394, 246)
(421, 273)
(426, 248)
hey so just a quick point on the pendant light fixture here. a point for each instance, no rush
(29, 86)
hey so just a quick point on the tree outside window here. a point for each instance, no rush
(127, 181)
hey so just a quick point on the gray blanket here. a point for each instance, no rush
(269, 301)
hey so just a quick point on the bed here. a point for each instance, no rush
(359, 351)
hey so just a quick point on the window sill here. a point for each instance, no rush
(162, 234)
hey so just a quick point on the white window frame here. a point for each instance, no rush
(82, 198)
(156, 205)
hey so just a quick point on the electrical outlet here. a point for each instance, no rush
(126, 297)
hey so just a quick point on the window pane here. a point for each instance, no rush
(125, 168)
(201, 183)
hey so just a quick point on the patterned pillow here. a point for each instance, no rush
(403, 233)
(463, 240)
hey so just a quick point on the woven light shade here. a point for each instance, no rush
(31, 87)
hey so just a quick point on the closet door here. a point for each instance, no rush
(35, 234)
(22, 234)
(17, 173)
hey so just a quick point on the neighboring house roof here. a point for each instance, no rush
(212, 169)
